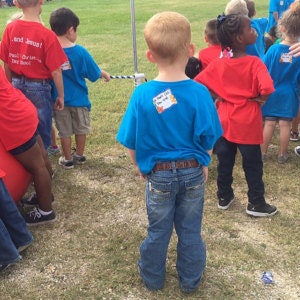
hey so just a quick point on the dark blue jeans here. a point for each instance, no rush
(252, 166)
(13, 230)
(174, 198)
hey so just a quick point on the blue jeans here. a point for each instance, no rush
(174, 197)
(252, 166)
(39, 93)
(13, 230)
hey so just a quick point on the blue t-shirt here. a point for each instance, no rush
(82, 66)
(258, 48)
(285, 72)
(279, 6)
(168, 121)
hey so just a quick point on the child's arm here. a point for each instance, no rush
(105, 75)
(132, 157)
(58, 81)
(7, 72)
(205, 168)
(261, 99)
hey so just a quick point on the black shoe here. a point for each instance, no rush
(3, 267)
(225, 203)
(35, 218)
(32, 200)
(261, 210)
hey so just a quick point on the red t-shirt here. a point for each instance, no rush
(30, 49)
(18, 116)
(2, 173)
(208, 54)
(236, 80)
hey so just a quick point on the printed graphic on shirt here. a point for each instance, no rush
(66, 66)
(286, 58)
(164, 101)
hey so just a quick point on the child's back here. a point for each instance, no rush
(283, 104)
(240, 82)
(170, 127)
(32, 56)
(285, 72)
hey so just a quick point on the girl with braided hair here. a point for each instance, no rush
(240, 83)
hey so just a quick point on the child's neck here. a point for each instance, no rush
(65, 42)
(171, 73)
(32, 14)
(289, 41)
(236, 53)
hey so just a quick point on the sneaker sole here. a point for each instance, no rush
(260, 214)
(22, 248)
(296, 152)
(66, 167)
(227, 206)
(42, 222)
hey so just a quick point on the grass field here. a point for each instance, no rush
(91, 252)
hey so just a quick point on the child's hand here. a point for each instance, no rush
(295, 49)
(260, 99)
(59, 104)
(105, 75)
(205, 173)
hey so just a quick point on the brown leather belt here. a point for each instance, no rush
(179, 164)
(18, 76)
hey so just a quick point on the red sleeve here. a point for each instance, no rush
(265, 82)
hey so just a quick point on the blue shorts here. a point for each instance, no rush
(23, 148)
(39, 93)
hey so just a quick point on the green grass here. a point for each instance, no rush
(91, 252)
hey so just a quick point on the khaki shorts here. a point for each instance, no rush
(72, 120)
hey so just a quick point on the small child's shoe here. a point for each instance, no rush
(67, 164)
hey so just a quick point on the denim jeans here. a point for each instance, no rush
(252, 166)
(13, 230)
(174, 198)
(39, 93)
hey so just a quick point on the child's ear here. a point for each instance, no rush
(150, 57)
(239, 38)
(282, 28)
(192, 48)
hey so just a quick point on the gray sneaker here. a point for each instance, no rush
(52, 151)
(67, 164)
(282, 159)
(79, 159)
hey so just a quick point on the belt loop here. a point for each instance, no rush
(173, 163)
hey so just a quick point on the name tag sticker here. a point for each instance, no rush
(286, 58)
(164, 101)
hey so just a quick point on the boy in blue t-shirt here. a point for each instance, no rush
(276, 10)
(74, 118)
(170, 128)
